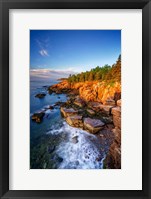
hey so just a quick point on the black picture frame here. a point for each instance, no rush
(5, 5)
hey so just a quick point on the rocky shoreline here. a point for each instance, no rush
(98, 111)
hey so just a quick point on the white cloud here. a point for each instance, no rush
(49, 74)
(43, 52)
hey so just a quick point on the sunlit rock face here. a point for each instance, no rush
(92, 91)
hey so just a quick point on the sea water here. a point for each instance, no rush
(51, 141)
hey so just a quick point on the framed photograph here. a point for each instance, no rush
(75, 99)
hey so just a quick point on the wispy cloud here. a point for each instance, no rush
(43, 52)
(43, 47)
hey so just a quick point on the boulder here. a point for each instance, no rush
(106, 108)
(117, 121)
(37, 117)
(68, 112)
(51, 107)
(75, 139)
(93, 125)
(40, 95)
(75, 121)
(119, 102)
(116, 111)
(94, 105)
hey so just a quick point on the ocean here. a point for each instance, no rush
(53, 143)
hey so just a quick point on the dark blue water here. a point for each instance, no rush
(38, 105)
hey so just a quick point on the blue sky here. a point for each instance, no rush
(73, 50)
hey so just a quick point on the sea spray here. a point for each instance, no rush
(82, 154)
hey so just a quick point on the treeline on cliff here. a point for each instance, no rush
(104, 73)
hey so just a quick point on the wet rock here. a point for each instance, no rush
(75, 139)
(90, 111)
(87, 157)
(50, 91)
(40, 95)
(68, 112)
(37, 117)
(50, 149)
(45, 165)
(75, 121)
(98, 159)
(59, 159)
(107, 120)
(51, 107)
(58, 92)
(59, 103)
(93, 125)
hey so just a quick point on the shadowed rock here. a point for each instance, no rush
(90, 111)
(40, 95)
(94, 105)
(59, 103)
(79, 102)
(117, 96)
(110, 102)
(51, 107)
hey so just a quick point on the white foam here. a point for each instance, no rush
(83, 154)
(48, 111)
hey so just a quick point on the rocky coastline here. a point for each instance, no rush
(94, 107)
